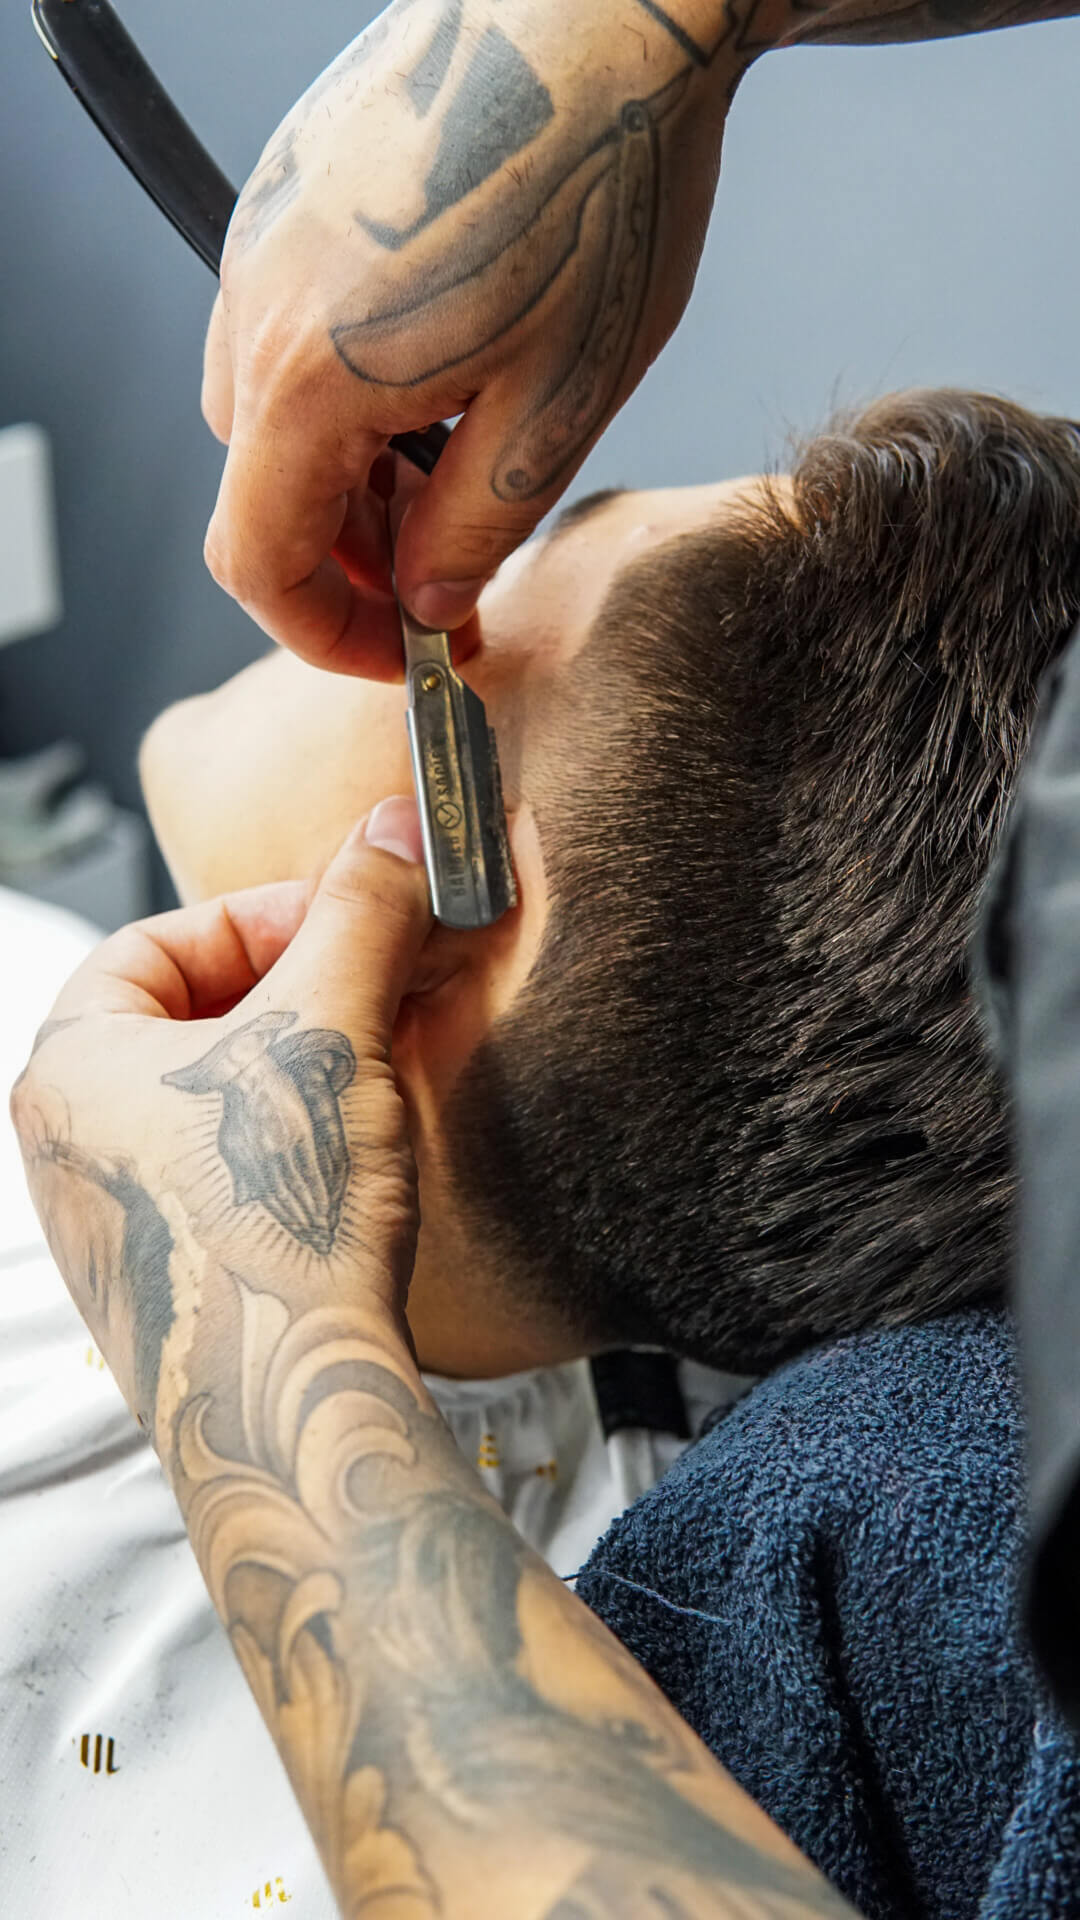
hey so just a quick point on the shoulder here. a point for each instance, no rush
(874, 1453)
(826, 1586)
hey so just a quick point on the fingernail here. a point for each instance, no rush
(445, 603)
(394, 825)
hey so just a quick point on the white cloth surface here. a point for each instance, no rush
(136, 1775)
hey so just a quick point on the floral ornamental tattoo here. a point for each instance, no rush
(379, 1604)
(281, 1134)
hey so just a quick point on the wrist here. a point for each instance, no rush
(634, 50)
(738, 40)
(235, 1329)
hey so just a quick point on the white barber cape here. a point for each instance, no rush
(136, 1776)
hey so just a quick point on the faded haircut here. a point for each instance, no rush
(742, 1102)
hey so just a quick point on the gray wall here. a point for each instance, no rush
(885, 218)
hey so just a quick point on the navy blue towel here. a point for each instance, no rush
(827, 1588)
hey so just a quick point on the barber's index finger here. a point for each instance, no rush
(189, 963)
(282, 506)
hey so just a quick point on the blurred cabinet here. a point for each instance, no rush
(106, 882)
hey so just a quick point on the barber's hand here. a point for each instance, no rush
(494, 208)
(212, 1097)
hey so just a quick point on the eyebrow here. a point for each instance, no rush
(581, 510)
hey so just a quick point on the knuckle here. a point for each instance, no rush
(479, 547)
(285, 365)
(216, 556)
(232, 254)
(361, 890)
(229, 567)
(268, 351)
(215, 412)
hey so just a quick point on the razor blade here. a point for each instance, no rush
(458, 785)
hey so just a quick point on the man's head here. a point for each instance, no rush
(717, 1083)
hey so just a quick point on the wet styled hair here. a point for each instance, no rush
(742, 1101)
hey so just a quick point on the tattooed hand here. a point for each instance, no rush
(161, 1144)
(494, 209)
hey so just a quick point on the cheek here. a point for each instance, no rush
(356, 753)
(382, 762)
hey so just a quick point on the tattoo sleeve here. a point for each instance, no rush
(463, 1737)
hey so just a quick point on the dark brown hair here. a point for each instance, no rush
(742, 1101)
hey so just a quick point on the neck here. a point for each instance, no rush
(467, 1327)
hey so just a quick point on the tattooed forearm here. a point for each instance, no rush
(462, 1735)
(411, 1658)
(104, 1227)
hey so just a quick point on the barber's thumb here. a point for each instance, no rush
(366, 924)
(459, 528)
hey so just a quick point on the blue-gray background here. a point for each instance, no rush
(885, 217)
